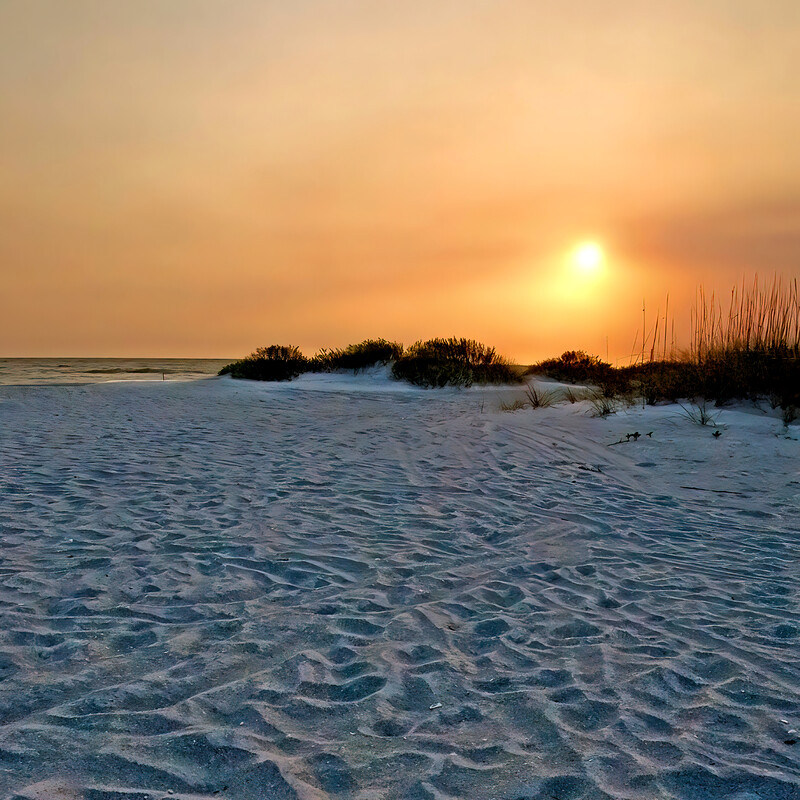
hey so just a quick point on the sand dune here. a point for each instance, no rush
(339, 589)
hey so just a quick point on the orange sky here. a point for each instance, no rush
(197, 178)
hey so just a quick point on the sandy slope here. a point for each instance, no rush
(230, 590)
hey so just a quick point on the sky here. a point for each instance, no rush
(201, 177)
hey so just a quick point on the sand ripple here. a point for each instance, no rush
(210, 590)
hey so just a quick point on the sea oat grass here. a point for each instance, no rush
(750, 351)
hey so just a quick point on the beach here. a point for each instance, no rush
(348, 587)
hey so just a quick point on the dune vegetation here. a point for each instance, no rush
(453, 362)
(749, 351)
(356, 357)
(286, 362)
(274, 363)
(433, 363)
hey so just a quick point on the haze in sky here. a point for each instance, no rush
(198, 177)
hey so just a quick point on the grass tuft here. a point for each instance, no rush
(514, 405)
(699, 413)
(573, 396)
(602, 404)
(539, 398)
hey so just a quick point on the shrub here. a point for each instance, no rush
(274, 363)
(357, 356)
(453, 362)
(574, 366)
(660, 381)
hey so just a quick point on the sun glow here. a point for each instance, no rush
(581, 279)
(588, 257)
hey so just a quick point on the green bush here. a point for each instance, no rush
(453, 362)
(356, 357)
(274, 363)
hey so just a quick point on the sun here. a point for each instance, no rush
(582, 278)
(588, 257)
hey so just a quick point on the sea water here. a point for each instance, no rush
(97, 370)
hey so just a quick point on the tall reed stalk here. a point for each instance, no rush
(761, 319)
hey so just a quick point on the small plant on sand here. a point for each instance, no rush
(274, 363)
(602, 405)
(699, 413)
(573, 396)
(539, 398)
(368, 353)
(453, 362)
(515, 405)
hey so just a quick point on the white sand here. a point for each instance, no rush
(350, 588)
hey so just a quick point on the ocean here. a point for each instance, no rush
(29, 371)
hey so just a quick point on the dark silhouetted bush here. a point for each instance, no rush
(453, 362)
(721, 377)
(750, 375)
(574, 366)
(753, 350)
(368, 353)
(274, 363)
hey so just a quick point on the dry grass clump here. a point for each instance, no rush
(534, 398)
(699, 413)
(572, 395)
(540, 398)
(603, 405)
(514, 405)
(453, 362)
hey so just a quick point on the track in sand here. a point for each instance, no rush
(224, 590)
